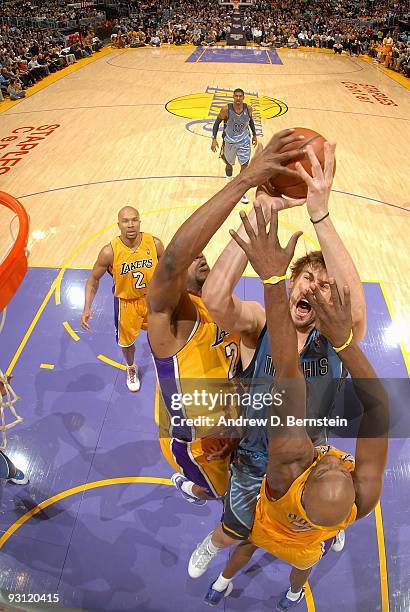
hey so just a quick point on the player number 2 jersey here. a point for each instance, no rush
(133, 269)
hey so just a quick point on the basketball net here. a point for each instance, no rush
(8, 399)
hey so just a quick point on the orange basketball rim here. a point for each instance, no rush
(13, 266)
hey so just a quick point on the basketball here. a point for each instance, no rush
(297, 188)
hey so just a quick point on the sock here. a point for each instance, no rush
(212, 549)
(293, 596)
(187, 488)
(221, 583)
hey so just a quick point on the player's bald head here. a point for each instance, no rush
(127, 211)
(328, 498)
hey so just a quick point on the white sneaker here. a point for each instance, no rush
(133, 381)
(339, 541)
(201, 558)
(244, 199)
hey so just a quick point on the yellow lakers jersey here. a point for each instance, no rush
(132, 269)
(192, 383)
(286, 519)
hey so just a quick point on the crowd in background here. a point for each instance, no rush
(354, 26)
(48, 10)
(28, 53)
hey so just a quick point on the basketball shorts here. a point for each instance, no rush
(190, 458)
(241, 150)
(296, 552)
(130, 316)
(247, 471)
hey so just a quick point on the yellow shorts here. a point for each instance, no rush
(190, 458)
(298, 553)
(130, 316)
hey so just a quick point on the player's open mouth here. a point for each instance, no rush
(303, 308)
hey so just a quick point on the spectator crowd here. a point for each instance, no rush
(353, 26)
(29, 50)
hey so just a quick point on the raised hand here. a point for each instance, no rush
(334, 318)
(320, 183)
(263, 250)
(269, 201)
(268, 162)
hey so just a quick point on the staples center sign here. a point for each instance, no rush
(22, 140)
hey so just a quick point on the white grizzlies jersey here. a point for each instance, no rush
(236, 127)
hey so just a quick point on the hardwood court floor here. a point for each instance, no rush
(110, 140)
(116, 143)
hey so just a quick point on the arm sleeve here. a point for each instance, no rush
(252, 126)
(215, 128)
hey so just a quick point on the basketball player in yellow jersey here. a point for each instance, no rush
(131, 259)
(309, 494)
(184, 340)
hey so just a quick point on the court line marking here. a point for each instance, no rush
(199, 56)
(329, 110)
(326, 51)
(73, 491)
(70, 330)
(47, 366)
(187, 176)
(394, 76)
(111, 362)
(49, 110)
(379, 529)
(384, 582)
(310, 604)
(98, 484)
(31, 327)
(53, 78)
(392, 313)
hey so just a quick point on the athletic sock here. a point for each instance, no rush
(221, 583)
(187, 487)
(293, 596)
(212, 549)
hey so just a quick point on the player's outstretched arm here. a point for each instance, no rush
(335, 322)
(339, 263)
(168, 283)
(270, 261)
(105, 259)
(245, 318)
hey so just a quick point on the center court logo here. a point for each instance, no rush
(203, 108)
